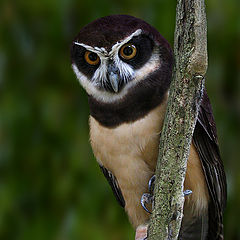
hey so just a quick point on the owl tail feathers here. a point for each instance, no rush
(195, 228)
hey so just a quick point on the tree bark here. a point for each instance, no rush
(190, 49)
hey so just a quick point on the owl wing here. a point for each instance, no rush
(114, 185)
(206, 143)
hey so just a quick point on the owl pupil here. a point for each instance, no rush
(128, 51)
(93, 57)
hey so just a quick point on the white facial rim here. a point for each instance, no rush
(126, 71)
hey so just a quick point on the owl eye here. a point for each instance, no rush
(128, 51)
(91, 58)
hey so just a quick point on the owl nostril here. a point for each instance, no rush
(112, 69)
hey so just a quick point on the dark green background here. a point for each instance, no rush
(50, 183)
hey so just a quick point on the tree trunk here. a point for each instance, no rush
(190, 49)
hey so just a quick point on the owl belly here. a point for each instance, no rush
(130, 152)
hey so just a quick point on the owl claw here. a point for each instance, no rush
(146, 199)
(187, 192)
(151, 184)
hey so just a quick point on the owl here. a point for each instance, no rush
(125, 66)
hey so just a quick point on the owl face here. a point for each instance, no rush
(111, 55)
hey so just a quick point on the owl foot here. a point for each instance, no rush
(187, 192)
(147, 198)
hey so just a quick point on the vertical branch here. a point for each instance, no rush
(190, 49)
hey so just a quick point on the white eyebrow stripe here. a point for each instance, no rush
(120, 44)
(101, 51)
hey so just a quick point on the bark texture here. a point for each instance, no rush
(190, 49)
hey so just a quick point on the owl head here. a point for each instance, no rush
(115, 55)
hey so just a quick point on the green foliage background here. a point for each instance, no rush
(50, 184)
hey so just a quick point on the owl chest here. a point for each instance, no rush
(130, 152)
(127, 144)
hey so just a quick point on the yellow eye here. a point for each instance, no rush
(91, 58)
(128, 51)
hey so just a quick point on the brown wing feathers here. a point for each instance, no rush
(205, 140)
(114, 185)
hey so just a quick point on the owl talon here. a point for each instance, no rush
(151, 184)
(146, 199)
(187, 192)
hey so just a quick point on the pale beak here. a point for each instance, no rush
(114, 78)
